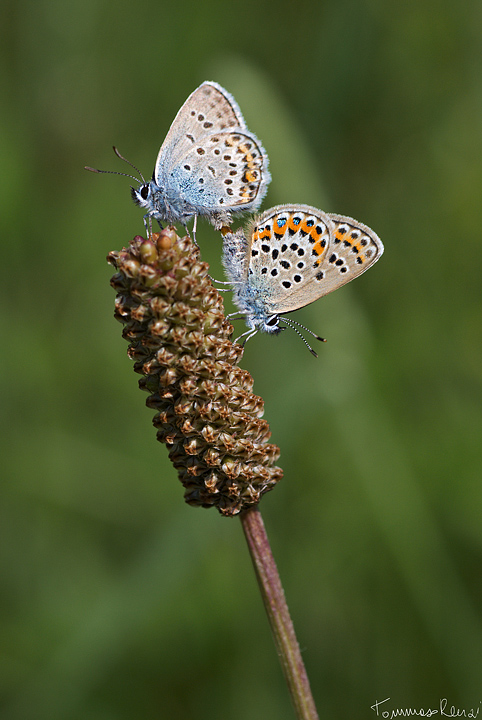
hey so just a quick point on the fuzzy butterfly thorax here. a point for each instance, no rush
(155, 200)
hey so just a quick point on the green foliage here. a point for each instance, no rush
(119, 601)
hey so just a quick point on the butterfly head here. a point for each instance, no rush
(259, 320)
(152, 198)
(142, 196)
(270, 325)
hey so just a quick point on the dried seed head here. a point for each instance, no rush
(180, 343)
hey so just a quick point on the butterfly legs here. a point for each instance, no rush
(148, 223)
(246, 335)
(249, 333)
(194, 228)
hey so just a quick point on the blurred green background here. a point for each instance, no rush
(118, 601)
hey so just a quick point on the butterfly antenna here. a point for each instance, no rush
(291, 325)
(305, 328)
(128, 162)
(111, 172)
(114, 172)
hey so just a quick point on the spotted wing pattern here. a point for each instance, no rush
(298, 254)
(210, 158)
(209, 109)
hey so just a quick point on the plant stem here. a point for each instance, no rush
(278, 614)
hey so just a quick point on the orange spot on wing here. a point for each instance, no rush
(250, 176)
(319, 251)
(359, 254)
(279, 230)
(292, 225)
(248, 156)
(314, 235)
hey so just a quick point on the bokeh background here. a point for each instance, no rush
(118, 601)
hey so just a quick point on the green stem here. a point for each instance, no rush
(278, 614)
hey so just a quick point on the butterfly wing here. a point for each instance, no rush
(209, 158)
(210, 108)
(299, 254)
(227, 171)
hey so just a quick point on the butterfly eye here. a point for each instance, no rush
(144, 192)
(273, 321)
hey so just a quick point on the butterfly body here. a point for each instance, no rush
(209, 165)
(157, 200)
(291, 256)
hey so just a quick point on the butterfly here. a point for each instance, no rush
(291, 256)
(209, 165)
